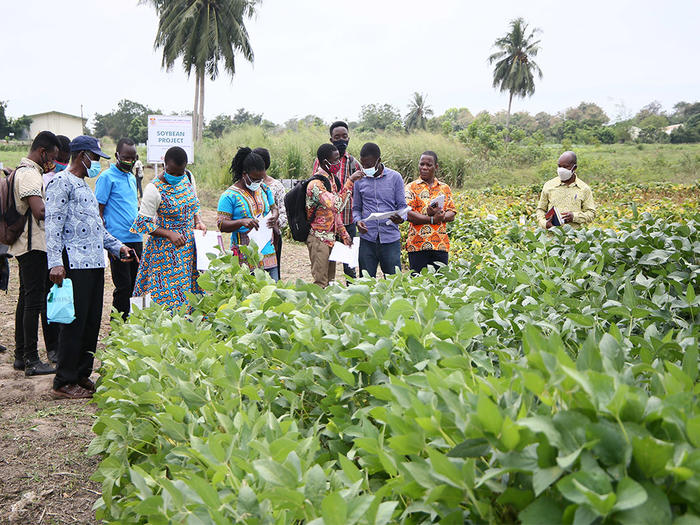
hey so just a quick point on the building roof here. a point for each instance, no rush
(57, 113)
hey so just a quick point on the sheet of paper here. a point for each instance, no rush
(263, 234)
(349, 255)
(141, 302)
(206, 243)
(439, 200)
(378, 216)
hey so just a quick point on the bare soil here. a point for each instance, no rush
(44, 470)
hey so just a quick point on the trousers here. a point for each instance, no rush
(78, 340)
(124, 279)
(374, 254)
(34, 286)
(322, 270)
(424, 258)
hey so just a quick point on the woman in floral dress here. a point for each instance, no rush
(169, 214)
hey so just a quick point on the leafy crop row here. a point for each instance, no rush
(552, 379)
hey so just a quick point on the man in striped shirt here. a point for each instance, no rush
(348, 165)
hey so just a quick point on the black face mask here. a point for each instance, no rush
(342, 145)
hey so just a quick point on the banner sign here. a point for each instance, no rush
(164, 132)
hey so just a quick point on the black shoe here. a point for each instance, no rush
(18, 364)
(53, 356)
(3, 349)
(37, 368)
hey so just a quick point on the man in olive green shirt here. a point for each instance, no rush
(568, 194)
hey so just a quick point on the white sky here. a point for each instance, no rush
(59, 54)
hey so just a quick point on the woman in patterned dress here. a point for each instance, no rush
(278, 192)
(169, 211)
(432, 208)
(244, 202)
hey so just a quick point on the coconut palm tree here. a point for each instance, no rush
(515, 68)
(203, 33)
(418, 111)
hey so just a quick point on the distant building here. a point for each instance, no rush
(60, 123)
(670, 129)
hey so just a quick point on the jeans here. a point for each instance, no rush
(124, 279)
(139, 182)
(277, 242)
(386, 255)
(34, 286)
(423, 258)
(352, 231)
(78, 340)
(273, 273)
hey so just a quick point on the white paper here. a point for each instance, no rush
(439, 200)
(378, 216)
(141, 302)
(349, 255)
(263, 234)
(206, 243)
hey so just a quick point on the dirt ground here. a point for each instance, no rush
(44, 471)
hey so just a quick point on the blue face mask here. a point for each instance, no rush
(94, 169)
(173, 180)
(59, 167)
(370, 172)
(253, 186)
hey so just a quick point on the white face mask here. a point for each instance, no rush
(564, 174)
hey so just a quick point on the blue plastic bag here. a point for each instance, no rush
(59, 303)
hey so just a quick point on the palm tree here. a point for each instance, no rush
(203, 33)
(515, 67)
(418, 111)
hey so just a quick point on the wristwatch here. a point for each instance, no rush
(432, 218)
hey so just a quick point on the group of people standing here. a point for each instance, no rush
(69, 228)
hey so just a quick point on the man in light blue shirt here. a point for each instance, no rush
(75, 244)
(116, 193)
(381, 190)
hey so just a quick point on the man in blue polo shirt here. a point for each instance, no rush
(116, 194)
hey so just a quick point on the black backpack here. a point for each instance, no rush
(12, 223)
(295, 204)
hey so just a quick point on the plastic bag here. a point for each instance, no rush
(59, 303)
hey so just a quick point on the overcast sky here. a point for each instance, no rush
(328, 57)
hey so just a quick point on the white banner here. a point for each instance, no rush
(164, 132)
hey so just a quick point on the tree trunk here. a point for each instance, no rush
(200, 120)
(196, 106)
(510, 102)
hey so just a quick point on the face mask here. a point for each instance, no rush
(59, 167)
(173, 180)
(333, 169)
(252, 186)
(94, 169)
(125, 165)
(564, 174)
(342, 145)
(370, 172)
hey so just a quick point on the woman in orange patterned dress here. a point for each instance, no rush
(431, 209)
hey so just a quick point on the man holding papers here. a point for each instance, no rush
(566, 194)
(380, 191)
(431, 209)
(325, 202)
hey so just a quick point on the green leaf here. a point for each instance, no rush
(399, 307)
(315, 486)
(651, 455)
(656, 510)
(247, 500)
(444, 469)
(151, 505)
(380, 392)
(544, 510)
(351, 471)
(406, 444)
(489, 415)
(692, 427)
(345, 375)
(542, 478)
(583, 320)
(334, 509)
(385, 512)
(510, 435)
(205, 491)
(629, 494)
(470, 448)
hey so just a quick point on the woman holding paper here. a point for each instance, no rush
(169, 214)
(245, 205)
(431, 209)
